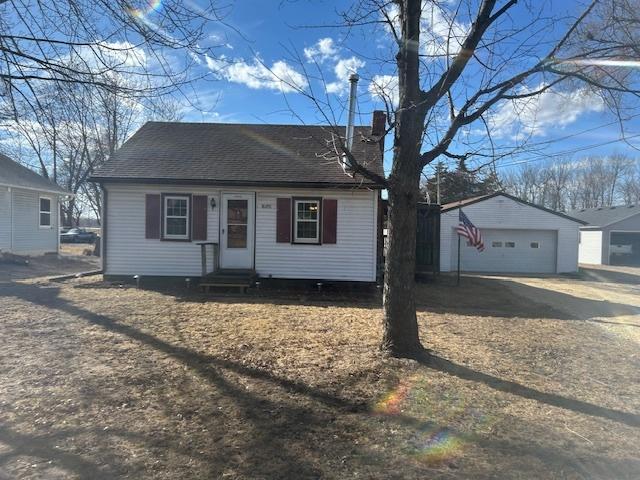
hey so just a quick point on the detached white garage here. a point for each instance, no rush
(519, 237)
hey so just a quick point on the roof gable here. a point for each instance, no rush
(470, 201)
(12, 174)
(237, 154)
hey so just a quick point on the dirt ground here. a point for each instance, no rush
(527, 378)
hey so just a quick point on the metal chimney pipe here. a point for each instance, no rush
(353, 79)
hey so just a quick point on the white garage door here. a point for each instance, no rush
(510, 251)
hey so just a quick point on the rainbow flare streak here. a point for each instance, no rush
(431, 443)
(152, 6)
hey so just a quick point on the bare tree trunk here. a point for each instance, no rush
(400, 322)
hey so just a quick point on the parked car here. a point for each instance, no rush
(78, 235)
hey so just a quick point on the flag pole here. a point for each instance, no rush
(458, 279)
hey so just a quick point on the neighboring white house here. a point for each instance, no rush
(29, 210)
(519, 237)
(611, 235)
(273, 198)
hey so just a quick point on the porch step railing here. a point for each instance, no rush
(213, 249)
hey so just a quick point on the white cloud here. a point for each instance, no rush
(440, 34)
(343, 68)
(256, 75)
(534, 116)
(385, 87)
(324, 49)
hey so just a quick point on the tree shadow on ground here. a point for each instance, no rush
(595, 274)
(43, 447)
(441, 364)
(505, 298)
(269, 450)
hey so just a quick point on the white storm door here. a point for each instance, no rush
(236, 230)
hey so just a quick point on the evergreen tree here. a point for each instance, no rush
(459, 184)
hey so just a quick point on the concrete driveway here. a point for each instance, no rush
(609, 296)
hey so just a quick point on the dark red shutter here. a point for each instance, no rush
(329, 220)
(199, 216)
(283, 220)
(152, 214)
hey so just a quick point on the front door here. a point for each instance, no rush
(236, 230)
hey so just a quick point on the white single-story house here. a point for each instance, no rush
(519, 237)
(29, 210)
(271, 199)
(611, 235)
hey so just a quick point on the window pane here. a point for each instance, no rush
(307, 230)
(177, 207)
(535, 245)
(237, 211)
(307, 210)
(237, 236)
(496, 244)
(45, 205)
(45, 219)
(176, 226)
(510, 244)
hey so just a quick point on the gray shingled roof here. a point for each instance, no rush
(471, 200)
(603, 216)
(15, 175)
(237, 154)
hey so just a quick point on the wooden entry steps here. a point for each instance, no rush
(228, 278)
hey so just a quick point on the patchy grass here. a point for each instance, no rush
(107, 382)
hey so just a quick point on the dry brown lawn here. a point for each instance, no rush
(99, 381)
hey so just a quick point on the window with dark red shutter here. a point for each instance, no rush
(329, 220)
(152, 216)
(283, 220)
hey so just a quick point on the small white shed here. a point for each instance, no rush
(611, 235)
(29, 210)
(519, 237)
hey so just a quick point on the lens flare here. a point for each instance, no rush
(432, 443)
(601, 62)
(151, 6)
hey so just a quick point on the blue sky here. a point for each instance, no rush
(266, 41)
(572, 124)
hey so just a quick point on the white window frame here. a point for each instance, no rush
(40, 212)
(165, 200)
(316, 239)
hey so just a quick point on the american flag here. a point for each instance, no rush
(469, 231)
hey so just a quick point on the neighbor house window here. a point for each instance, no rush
(306, 227)
(496, 244)
(510, 244)
(45, 212)
(535, 244)
(176, 217)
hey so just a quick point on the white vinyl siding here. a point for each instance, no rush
(591, 247)
(28, 237)
(502, 213)
(5, 219)
(352, 258)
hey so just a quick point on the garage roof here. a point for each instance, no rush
(470, 201)
(604, 216)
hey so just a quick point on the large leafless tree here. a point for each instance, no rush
(486, 56)
(80, 41)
